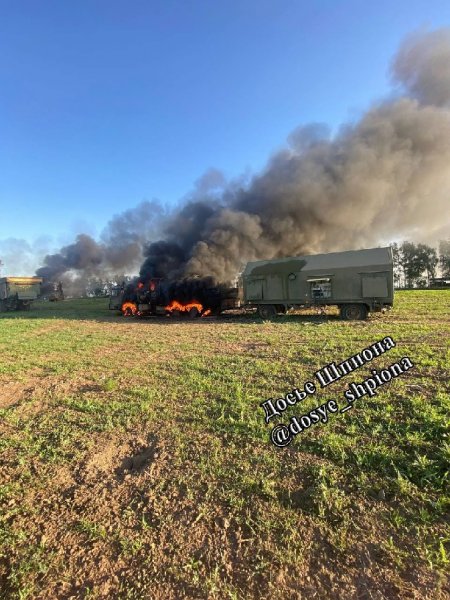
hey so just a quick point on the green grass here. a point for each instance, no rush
(210, 508)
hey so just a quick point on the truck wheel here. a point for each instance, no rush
(353, 312)
(267, 311)
(193, 313)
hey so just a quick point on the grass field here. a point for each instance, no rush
(136, 462)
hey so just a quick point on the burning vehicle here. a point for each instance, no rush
(190, 297)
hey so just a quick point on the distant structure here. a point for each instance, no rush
(440, 282)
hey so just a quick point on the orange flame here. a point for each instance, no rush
(174, 305)
(129, 308)
(206, 313)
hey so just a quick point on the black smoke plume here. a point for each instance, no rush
(382, 177)
(118, 252)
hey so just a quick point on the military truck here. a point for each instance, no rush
(17, 293)
(357, 281)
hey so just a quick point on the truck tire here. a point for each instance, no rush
(194, 313)
(353, 312)
(267, 311)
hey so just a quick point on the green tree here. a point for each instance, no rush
(418, 263)
(408, 262)
(430, 259)
(397, 264)
(444, 257)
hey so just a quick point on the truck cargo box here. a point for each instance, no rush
(358, 281)
(17, 293)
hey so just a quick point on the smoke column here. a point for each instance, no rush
(118, 251)
(385, 176)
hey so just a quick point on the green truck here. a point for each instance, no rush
(357, 281)
(17, 293)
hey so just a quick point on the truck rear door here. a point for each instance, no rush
(374, 285)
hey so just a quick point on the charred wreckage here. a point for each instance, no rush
(191, 297)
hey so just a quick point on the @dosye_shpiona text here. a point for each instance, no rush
(282, 434)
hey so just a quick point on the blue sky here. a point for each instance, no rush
(104, 104)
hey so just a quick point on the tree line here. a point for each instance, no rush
(417, 265)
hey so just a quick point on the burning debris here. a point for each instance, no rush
(129, 309)
(193, 308)
(383, 176)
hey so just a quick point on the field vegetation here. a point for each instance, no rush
(135, 461)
